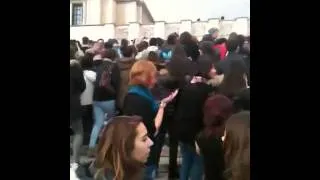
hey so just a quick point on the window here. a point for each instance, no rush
(77, 13)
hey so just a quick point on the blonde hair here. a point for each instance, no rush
(141, 73)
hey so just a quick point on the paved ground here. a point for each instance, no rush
(163, 169)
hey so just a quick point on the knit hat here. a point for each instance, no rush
(213, 30)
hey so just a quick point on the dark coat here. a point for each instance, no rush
(77, 86)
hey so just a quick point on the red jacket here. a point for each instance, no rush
(222, 49)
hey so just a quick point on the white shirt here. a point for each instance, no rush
(87, 95)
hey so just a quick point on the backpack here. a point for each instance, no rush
(104, 75)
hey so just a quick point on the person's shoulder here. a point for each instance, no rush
(135, 99)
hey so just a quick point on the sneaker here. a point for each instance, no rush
(74, 166)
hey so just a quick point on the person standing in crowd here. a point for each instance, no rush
(189, 115)
(237, 146)
(220, 47)
(232, 45)
(105, 92)
(205, 49)
(123, 149)
(166, 51)
(180, 66)
(124, 65)
(217, 110)
(87, 95)
(190, 46)
(140, 101)
(77, 86)
(234, 80)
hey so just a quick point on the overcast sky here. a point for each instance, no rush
(175, 10)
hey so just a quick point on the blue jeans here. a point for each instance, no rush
(192, 163)
(101, 110)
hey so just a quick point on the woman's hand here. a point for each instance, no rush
(169, 98)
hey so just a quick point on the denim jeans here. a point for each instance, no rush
(192, 163)
(102, 110)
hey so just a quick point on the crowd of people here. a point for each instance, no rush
(126, 96)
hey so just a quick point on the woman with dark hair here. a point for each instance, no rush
(188, 118)
(234, 80)
(190, 46)
(123, 149)
(206, 49)
(217, 110)
(237, 146)
(180, 66)
(166, 52)
(140, 101)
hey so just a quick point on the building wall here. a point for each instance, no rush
(145, 18)
(126, 13)
(93, 12)
(160, 29)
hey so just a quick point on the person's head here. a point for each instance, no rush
(185, 38)
(237, 146)
(91, 43)
(241, 39)
(217, 109)
(124, 43)
(233, 35)
(124, 147)
(86, 61)
(85, 40)
(232, 44)
(214, 32)
(207, 37)
(220, 41)
(153, 56)
(172, 39)
(142, 46)
(143, 72)
(108, 45)
(100, 41)
(111, 54)
(160, 42)
(205, 67)
(128, 51)
(153, 42)
(234, 80)
(205, 47)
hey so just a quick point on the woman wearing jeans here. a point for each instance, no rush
(103, 96)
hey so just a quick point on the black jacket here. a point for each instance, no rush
(100, 93)
(137, 105)
(211, 148)
(77, 86)
(189, 110)
(223, 67)
(192, 50)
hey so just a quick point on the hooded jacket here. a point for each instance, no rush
(124, 65)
